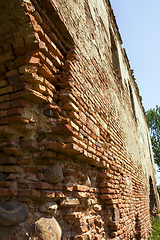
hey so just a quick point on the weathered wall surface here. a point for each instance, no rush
(75, 151)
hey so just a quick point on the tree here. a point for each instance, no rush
(153, 116)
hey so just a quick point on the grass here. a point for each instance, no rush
(156, 229)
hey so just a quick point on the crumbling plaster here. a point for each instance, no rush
(92, 36)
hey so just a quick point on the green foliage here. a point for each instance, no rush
(156, 229)
(153, 116)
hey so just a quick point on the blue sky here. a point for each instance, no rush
(139, 26)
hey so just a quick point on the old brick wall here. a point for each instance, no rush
(74, 142)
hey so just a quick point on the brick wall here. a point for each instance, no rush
(74, 142)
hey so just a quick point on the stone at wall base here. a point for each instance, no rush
(47, 228)
(12, 213)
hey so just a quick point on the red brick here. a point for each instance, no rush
(6, 47)
(8, 142)
(81, 237)
(27, 60)
(34, 96)
(32, 145)
(2, 69)
(41, 185)
(106, 196)
(15, 111)
(6, 192)
(72, 148)
(18, 120)
(56, 146)
(3, 83)
(8, 160)
(81, 194)
(3, 113)
(24, 185)
(60, 194)
(4, 98)
(15, 95)
(68, 188)
(55, 108)
(4, 105)
(81, 229)
(12, 73)
(10, 169)
(21, 103)
(5, 184)
(45, 27)
(57, 187)
(73, 216)
(42, 161)
(13, 152)
(13, 79)
(11, 177)
(98, 237)
(24, 161)
(7, 131)
(48, 154)
(69, 202)
(24, 69)
(62, 129)
(6, 36)
(18, 43)
(31, 170)
(31, 48)
(80, 188)
(6, 57)
(107, 190)
(10, 65)
(37, 17)
(46, 73)
(71, 55)
(40, 176)
(4, 121)
(29, 193)
(48, 194)
(21, 86)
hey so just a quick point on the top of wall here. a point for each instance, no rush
(126, 58)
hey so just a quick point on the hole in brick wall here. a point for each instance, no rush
(132, 102)
(57, 87)
(153, 204)
(49, 113)
(115, 56)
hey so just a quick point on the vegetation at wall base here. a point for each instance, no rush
(156, 229)
(153, 116)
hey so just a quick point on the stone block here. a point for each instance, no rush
(53, 174)
(48, 207)
(47, 228)
(12, 213)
